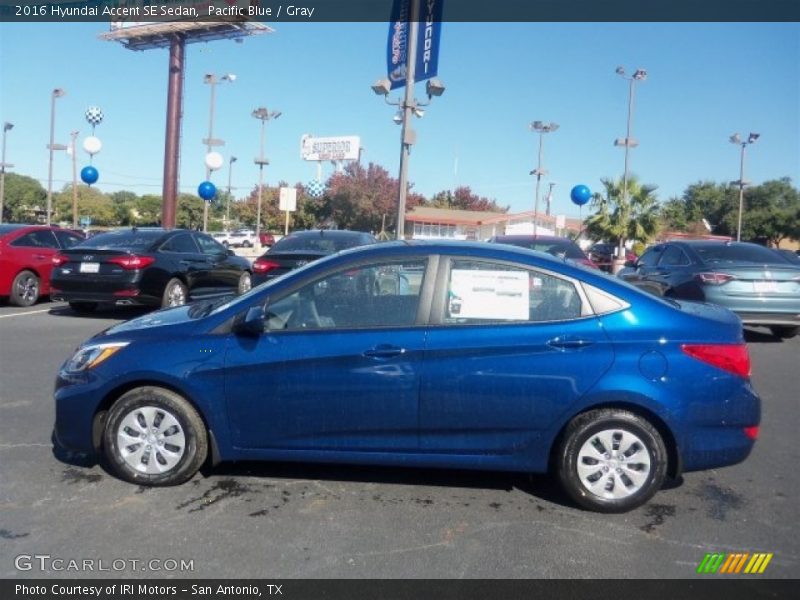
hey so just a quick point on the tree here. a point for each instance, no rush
(92, 203)
(23, 196)
(620, 219)
(462, 198)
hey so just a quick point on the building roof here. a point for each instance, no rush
(452, 216)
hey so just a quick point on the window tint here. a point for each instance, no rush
(182, 243)
(41, 238)
(482, 292)
(381, 295)
(209, 245)
(737, 253)
(67, 239)
(650, 257)
(673, 257)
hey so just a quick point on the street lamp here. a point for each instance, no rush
(228, 204)
(628, 142)
(736, 139)
(541, 128)
(406, 107)
(212, 80)
(3, 166)
(52, 146)
(263, 115)
(74, 151)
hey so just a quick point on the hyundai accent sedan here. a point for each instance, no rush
(451, 355)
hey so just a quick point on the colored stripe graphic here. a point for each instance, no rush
(718, 562)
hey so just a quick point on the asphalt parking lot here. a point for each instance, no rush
(312, 521)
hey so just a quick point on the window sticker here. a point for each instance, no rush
(476, 294)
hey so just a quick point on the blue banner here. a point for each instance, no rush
(428, 37)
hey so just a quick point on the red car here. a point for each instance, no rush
(26, 259)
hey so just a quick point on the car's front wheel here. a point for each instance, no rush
(175, 294)
(611, 460)
(24, 289)
(154, 436)
(784, 332)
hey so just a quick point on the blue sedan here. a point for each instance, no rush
(453, 355)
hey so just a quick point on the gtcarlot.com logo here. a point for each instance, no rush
(734, 563)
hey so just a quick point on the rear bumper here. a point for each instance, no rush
(123, 297)
(770, 318)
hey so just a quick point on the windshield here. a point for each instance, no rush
(562, 249)
(324, 244)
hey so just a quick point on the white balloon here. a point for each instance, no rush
(92, 145)
(214, 160)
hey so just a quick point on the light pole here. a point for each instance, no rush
(52, 146)
(736, 139)
(212, 80)
(406, 107)
(3, 166)
(228, 204)
(74, 136)
(263, 115)
(541, 128)
(628, 142)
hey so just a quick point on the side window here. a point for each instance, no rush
(209, 245)
(182, 243)
(481, 292)
(42, 238)
(380, 295)
(67, 239)
(650, 258)
(673, 257)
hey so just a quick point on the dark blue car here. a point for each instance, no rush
(454, 355)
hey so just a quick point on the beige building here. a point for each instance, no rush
(428, 223)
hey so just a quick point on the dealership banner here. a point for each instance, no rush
(428, 38)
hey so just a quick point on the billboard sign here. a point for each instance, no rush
(428, 37)
(330, 148)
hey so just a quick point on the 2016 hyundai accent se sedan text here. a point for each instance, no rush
(453, 355)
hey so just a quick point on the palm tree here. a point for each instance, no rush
(619, 220)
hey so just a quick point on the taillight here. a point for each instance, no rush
(132, 262)
(262, 265)
(59, 259)
(713, 278)
(733, 358)
(751, 432)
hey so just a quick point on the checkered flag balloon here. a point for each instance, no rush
(315, 189)
(94, 116)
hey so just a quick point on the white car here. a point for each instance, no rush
(243, 238)
(221, 237)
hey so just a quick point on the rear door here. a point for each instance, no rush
(34, 251)
(223, 274)
(509, 350)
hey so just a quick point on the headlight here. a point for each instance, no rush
(90, 356)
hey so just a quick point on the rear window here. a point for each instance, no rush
(123, 239)
(738, 253)
(565, 249)
(327, 244)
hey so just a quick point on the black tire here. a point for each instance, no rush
(784, 332)
(245, 283)
(617, 473)
(175, 293)
(83, 307)
(25, 289)
(137, 403)
(246, 244)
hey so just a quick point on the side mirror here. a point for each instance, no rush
(253, 323)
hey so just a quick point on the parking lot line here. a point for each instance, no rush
(33, 312)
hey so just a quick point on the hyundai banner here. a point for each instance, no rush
(428, 36)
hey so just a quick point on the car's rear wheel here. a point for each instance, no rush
(611, 460)
(784, 332)
(83, 307)
(24, 289)
(175, 294)
(245, 283)
(154, 436)
(246, 244)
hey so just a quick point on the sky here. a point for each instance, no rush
(705, 82)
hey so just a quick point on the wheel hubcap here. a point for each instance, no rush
(613, 464)
(151, 440)
(176, 296)
(28, 288)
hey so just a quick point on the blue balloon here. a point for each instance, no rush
(207, 191)
(580, 195)
(89, 175)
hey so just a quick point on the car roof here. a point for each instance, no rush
(531, 238)
(328, 232)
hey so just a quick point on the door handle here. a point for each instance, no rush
(39, 256)
(384, 351)
(569, 343)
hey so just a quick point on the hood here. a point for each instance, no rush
(188, 317)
